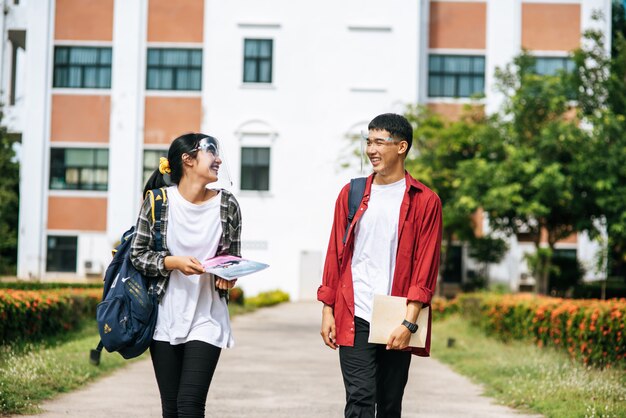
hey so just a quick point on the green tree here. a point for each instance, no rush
(528, 176)
(9, 202)
(601, 94)
(441, 146)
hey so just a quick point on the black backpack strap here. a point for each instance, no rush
(94, 355)
(157, 198)
(357, 190)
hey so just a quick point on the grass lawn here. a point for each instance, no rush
(530, 378)
(32, 372)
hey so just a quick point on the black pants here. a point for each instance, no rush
(373, 376)
(184, 373)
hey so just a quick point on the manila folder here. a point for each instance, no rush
(389, 312)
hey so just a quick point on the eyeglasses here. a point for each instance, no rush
(378, 142)
(207, 146)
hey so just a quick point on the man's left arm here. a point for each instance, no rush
(425, 271)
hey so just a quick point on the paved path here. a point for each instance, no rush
(279, 368)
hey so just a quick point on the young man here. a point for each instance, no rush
(391, 248)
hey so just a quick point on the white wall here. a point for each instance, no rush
(331, 70)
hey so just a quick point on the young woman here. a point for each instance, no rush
(196, 223)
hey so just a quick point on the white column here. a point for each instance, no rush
(422, 57)
(34, 164)
(504, 40)
(127, 111)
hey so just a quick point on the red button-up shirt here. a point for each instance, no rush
(417, 259)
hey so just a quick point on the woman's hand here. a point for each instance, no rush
(188, 265)
(224, 284)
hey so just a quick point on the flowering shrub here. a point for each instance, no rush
(441, 308)
(591, 330)
(30, 314)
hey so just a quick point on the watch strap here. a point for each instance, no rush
(411, 326)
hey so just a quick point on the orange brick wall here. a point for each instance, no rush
(550, 27)
(83, 20)
(62, 213)
(169, 117)
(175, 21)
(458, 25)
(80, 118)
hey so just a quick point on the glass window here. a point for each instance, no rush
(61, 254)
(554, 65)
(79, 169)
(82, 67)
(174, 69)
(456, 75)
(151, 162)
(255, 169)
(257, 60)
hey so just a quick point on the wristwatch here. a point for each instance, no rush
(410, 325)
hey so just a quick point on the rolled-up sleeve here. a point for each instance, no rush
(327, 292)
(427, 253)
(144, 258)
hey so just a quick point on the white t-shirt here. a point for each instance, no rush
(375, 246)
(191, 309)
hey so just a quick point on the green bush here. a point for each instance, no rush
(49, 285)
(270, 298)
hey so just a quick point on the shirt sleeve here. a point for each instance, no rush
(426, 270)
(326, 293)
(144, 258)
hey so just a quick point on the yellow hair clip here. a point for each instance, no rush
(164, 166)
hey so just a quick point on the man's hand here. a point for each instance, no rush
(399, 338)
(188, 265)
(328, 327)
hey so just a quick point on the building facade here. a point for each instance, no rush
(97, 89)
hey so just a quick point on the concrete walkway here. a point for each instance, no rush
(279, 368)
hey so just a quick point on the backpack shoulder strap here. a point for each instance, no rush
(357, 189)
(157, 198)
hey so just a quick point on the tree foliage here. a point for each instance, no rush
(9, 203)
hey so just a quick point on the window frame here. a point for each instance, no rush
(99, 66)
(175, 68)
(258, 170)
(257, 60)
(162, 152)
(472, 75)
(79, 167)
(50, 260)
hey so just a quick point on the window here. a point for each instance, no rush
(174, 69)
(255, 168)
(151, 162)
(82, 67)
(79, 169)
(61, 255)
(554, 65)
(257, 61)
(456, 75)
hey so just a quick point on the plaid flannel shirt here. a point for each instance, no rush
(151, 263)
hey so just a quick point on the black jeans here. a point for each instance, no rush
(374, 377)
(184, 373)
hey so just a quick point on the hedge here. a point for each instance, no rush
(590, 330)
(27, 315)
(49, 285)
(270, 298)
